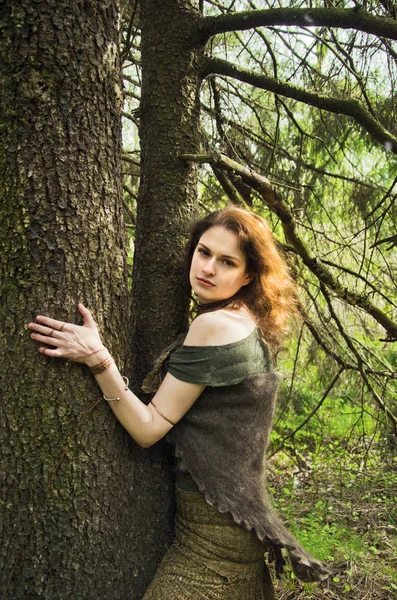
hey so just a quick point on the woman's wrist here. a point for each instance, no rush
(96, 357)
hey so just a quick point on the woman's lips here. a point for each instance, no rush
(205, 282)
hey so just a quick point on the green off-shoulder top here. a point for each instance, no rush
(218, 366)
(226, 364)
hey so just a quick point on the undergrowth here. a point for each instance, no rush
(336, 488)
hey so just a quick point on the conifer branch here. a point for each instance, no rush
(349, 107)
(352, 18)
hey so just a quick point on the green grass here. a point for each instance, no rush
(337, 490)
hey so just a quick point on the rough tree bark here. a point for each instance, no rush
(171, 72)
(171, 78)
(67, 479)
(84, 513)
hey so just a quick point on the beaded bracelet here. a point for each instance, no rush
(117, 397)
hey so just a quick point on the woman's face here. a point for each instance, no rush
(218, 268)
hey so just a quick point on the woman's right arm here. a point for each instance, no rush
(83, 344)
(143, 422)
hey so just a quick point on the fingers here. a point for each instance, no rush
(54, 352)
(60, 325)
(87, 317)
(66, 340)
(44, 329)
(51, 323)
(45, 339)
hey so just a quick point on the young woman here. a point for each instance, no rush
(215, 403)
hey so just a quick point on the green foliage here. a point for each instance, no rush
(336, 488)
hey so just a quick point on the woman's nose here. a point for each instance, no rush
(209, 267)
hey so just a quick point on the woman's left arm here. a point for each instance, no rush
(145, 423)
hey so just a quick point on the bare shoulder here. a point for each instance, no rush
(219, 327)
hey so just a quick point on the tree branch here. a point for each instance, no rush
(131, 160)
(313, 412)
(350, 108)
(320, 338)
(282, 210)
(228, 187)
(250, 134)
(129, 39)
(301, 17)
(360, 361)
(359, 276)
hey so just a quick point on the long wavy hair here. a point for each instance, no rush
(271, 295)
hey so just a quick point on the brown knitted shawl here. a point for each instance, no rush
(221, 442)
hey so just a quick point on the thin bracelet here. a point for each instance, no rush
(95, 351)
(102, 366)
(161, 414)
(117, 398)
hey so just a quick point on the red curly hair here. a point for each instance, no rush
(271, 296)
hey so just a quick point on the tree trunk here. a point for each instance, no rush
(171, 78)
(67, 478)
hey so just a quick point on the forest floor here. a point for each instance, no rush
(345, 513)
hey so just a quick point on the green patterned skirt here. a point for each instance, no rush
(211, 557)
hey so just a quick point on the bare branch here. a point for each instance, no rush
(301, 17)
(132, 95)
(130, 116)
(320, 339)
(351, 108)
(228, 186)
(250, 134)
(392, 240)
(316, 408)
(133, 161)
(360, 361)
(390, 7)
(358, 276)
(131, 215)
(129, 39)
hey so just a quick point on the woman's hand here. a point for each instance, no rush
(80, 343)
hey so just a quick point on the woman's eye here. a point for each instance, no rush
(225, 261)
